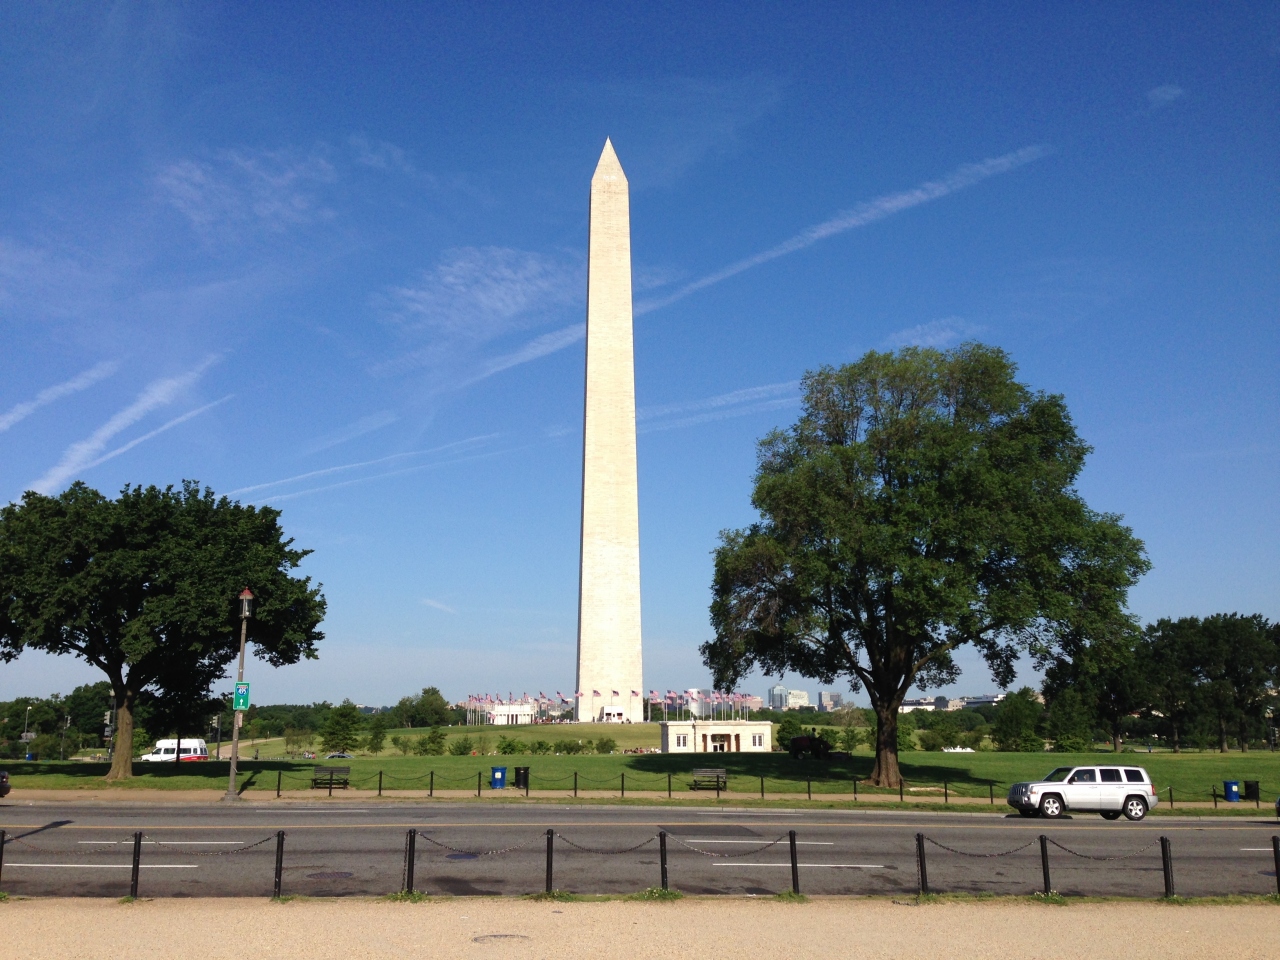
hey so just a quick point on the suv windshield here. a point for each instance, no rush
(1059, 774)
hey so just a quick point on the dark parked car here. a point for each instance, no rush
(4, 784)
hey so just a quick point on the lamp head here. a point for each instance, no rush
(246, 603)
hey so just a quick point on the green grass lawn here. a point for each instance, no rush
(967, 774)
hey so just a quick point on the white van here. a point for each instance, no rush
(164, 751)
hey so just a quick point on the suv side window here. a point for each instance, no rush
(1134, 776)
(1084, 775)
(1110, 775)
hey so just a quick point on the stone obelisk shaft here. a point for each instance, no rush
(609, 657)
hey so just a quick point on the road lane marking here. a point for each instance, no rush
(108, 866)
(745, 813)
(834, 866)
(1255, 850)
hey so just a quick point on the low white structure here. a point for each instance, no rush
(716, 736)
(797, 699)
(512, 713)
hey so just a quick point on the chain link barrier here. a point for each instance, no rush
(1086, 856)
(726, 856)
(485, 853)
(980, 856)
(607, 853)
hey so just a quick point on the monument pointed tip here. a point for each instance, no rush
(609, 164)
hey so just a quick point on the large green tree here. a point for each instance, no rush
(1240, 664)
(924, 500)
(144, 588)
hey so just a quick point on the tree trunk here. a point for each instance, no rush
(886, 772)
(1244, 736)
(1222, 736)
(122, 758)
(1177, 744)
(1116, 739)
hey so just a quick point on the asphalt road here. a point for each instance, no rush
(346, 849)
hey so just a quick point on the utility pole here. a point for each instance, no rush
(246, 611)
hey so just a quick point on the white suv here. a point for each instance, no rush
(1110, 791)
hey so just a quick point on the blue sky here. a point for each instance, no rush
(331, 257)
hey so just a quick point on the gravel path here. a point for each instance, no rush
(515, 929)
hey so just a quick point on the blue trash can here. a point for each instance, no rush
(499, 780)
(1231, 791)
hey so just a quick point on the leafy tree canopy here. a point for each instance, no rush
(144, 588)
(924, 500)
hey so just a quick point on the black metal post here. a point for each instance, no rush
(1214, 791)
(331, 783)
(275, 890)
(379, 783)
(624, 785)
(431, 788)
(662, 855)
(551, 836)
(1170, 796)
(920, 864)
(726, 785)
(137, 858)
(899, 791)
(1044, 863)
(668, 786)
(991, 792)
(279, 777)
(946, 792)
(527, 778)
(1275, 853)
(410, 858)
(575, 784)
(795, 865)
(1166, 857)
(808, 788)
(855, 788)
(2, 836)
(762, 788)
(479, 778)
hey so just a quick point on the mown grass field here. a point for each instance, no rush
(1191, 775)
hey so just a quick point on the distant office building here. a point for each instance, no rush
(699, 702)
(828, 701)
(797, 699)
(778, 697)
(925, 703)
(751, 703)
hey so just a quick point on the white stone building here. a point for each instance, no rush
(717, 736)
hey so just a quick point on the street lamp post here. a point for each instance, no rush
(25, 719)
(246, 611)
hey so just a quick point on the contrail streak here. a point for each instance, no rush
(48, 395)
(860, 216)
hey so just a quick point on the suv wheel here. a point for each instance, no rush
(1135, 808)
(1051, 806)
(1110, 814)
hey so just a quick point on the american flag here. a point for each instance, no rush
(595, 693)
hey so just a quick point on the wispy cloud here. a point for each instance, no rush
(472, 297)
(737, 403)
(936, 333)
(189, 415)
(379, 154)
(434, 465)
(271, 189)
(536, 348)
(79, 455)
(437, 605)
(49, 395)
(454, 447)
(374, 421)
(1164, 95)
(860, 216)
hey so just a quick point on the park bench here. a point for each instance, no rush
(710, 779)
(330, 777)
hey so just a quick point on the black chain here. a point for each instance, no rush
(212, 853)
(1085, 856)
(578, 846)
(981, 856)
(726, 856)
(485, 853)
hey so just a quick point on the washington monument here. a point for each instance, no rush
(610, 676)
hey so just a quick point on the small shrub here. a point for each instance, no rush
(606, 745)
(509, 746)
(460, 746)
(540, 747)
